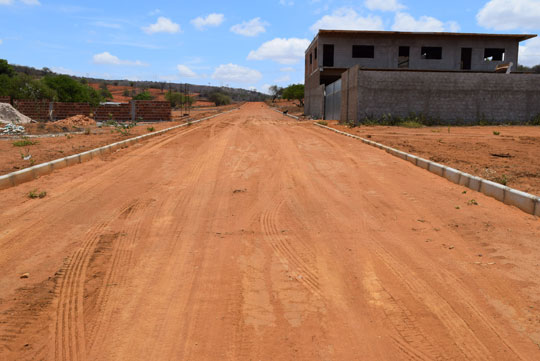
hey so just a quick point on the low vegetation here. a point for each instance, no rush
(219, 98)
(25, 142)
(36, 194)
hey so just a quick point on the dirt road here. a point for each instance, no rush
(254, 237)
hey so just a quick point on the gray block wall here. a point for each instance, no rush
(451, 97)
(387, 49)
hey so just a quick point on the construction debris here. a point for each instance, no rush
(77, 121)
(12, 129)
(10, 115)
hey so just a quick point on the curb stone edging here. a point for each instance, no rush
(526, 202)
(289, 115)
(25, 175)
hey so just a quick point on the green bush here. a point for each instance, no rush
(220, 98)
(24, 142)
(69, 90)
(143, 96)
(177, 99)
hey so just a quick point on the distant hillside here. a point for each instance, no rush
(203, 91)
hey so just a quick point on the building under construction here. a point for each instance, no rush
(454, 77)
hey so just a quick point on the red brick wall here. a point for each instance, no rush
(5, 100)
(120, 112)
(66, 110)
(34, 109)
(145, 110)
(150, 110)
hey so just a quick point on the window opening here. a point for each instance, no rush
(328, 55)
(431, 52)
(403, 57)
(493, 54)
(466, 57)
(363, 51)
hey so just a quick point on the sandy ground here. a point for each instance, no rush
(51, 148)
(513, 154)
(254, 237)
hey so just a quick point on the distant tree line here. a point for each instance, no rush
(532, 69)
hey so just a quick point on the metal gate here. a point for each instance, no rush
(332, 101)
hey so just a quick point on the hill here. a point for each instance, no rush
(118, 87)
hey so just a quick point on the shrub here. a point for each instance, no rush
(24, 142)
(220, 98)
(143, 96)
(150, 129)
(322, 122)
(35, 194)
(496, 133)
(410, 124)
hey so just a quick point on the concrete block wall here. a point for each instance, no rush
(456, 98)
(349, 94)
(120, 112)
(5, 100)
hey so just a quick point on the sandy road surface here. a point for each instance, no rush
(253, 237)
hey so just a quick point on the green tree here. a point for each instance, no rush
(6, 69)
(70, 90)
(276, 92)
(294, 92)
(177, 99)
(143, 96)
(220, 98)
(104, 91)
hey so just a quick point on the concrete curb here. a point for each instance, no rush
(289, 115)
(526, 202)
(28, 174)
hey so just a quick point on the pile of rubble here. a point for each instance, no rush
(77, 121)
(12, 129)
(10, 115)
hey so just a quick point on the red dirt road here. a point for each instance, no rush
(254, 237)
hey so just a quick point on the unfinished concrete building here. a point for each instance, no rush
(351, 75)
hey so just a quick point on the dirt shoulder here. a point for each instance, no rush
(69, 141)
(512, 155)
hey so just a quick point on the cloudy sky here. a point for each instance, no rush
(249, 44)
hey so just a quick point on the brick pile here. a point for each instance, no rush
(150, 110)
(120, 112)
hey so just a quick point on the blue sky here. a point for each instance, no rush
(244, 44)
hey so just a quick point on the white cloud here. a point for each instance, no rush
(384, 5)
(286, 2)
(210, 20)
(405, 22)
(236, 74)
(283, 79)
(26, 2)
(283, 51)
(252, 27)
(348, 19)
(510, 14)
(185, 71)
(163, 25)
(529, 52)
(154, 12)
(288, 69)
(107, 58)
